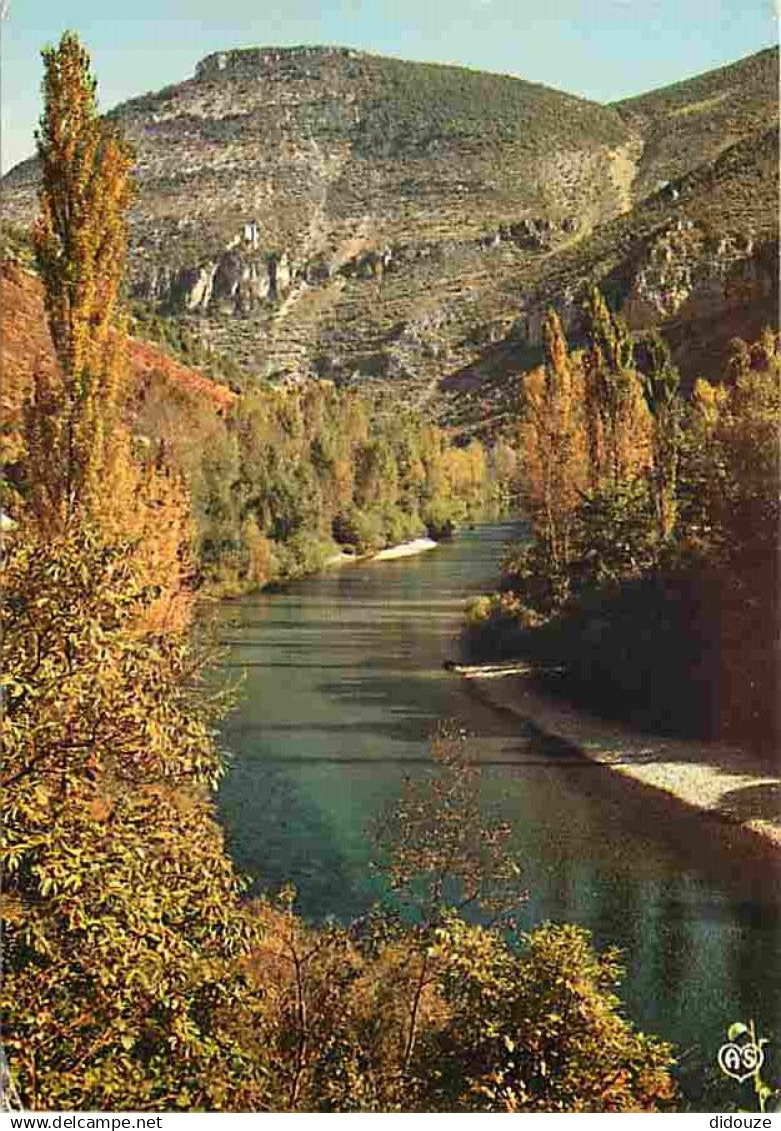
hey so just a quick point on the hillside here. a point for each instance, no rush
(321, 210)
(693, 122)
(701, 265)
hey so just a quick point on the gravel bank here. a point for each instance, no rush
(405, 550)
(713, 777)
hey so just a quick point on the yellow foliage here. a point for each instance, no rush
(80, 247)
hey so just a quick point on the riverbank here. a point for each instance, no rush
(390, 553)
(712, 777)
(227, 589)
(405, 550)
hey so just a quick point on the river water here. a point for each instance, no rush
(343, 685)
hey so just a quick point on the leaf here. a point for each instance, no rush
(737, 1029)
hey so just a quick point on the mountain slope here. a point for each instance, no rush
(272, 172)
(308, 141)
(26, 345)
(320, 210)
(693, 122)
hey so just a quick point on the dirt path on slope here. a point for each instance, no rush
(623, 169)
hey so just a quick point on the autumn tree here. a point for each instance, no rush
(701, 469)
(536, 1026)
(80, 465)
(415, 1007)
(660, 381)
(440, 855)
(612, 520)
(553, 464)
(615, 412)
(121, 920)
(75, 441)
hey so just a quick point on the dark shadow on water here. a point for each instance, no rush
(408, 729)
(298, 665)
(415, 760)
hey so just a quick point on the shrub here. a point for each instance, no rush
(538, 1029)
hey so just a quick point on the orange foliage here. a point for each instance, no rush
(585, 426)
(26, 346)
(79, 463)
(553, 444)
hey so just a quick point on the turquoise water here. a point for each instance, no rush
(344, 683)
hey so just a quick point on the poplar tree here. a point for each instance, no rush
(660, 381)
(616, 416)
(75, 443)
(552, 433)
(80, 464)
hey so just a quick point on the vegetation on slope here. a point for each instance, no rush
(476, 191)
(419, 105)
(736, 193)
(334, 155)
(278, 479)
(717, 240)
(291, 476)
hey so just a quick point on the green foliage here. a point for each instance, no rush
(134, 976)
(415, 1009)
(16, 244)
(177, 336)
(406, 105)
(660, 382)
(436, 849)
(357, 529)
(122, 926)
(538, 1028)
(690, 122)
(617, 536)
(502, 1024)
(530, 573)
(291, 475)
(84, 688)
(121, 919)
(663, 609)
(435, 843)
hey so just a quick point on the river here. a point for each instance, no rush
(343, 684)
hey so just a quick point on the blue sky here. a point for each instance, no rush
(601, 49)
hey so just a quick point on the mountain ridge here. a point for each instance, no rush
(324, 210)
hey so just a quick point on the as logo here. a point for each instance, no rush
(741, 1060)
